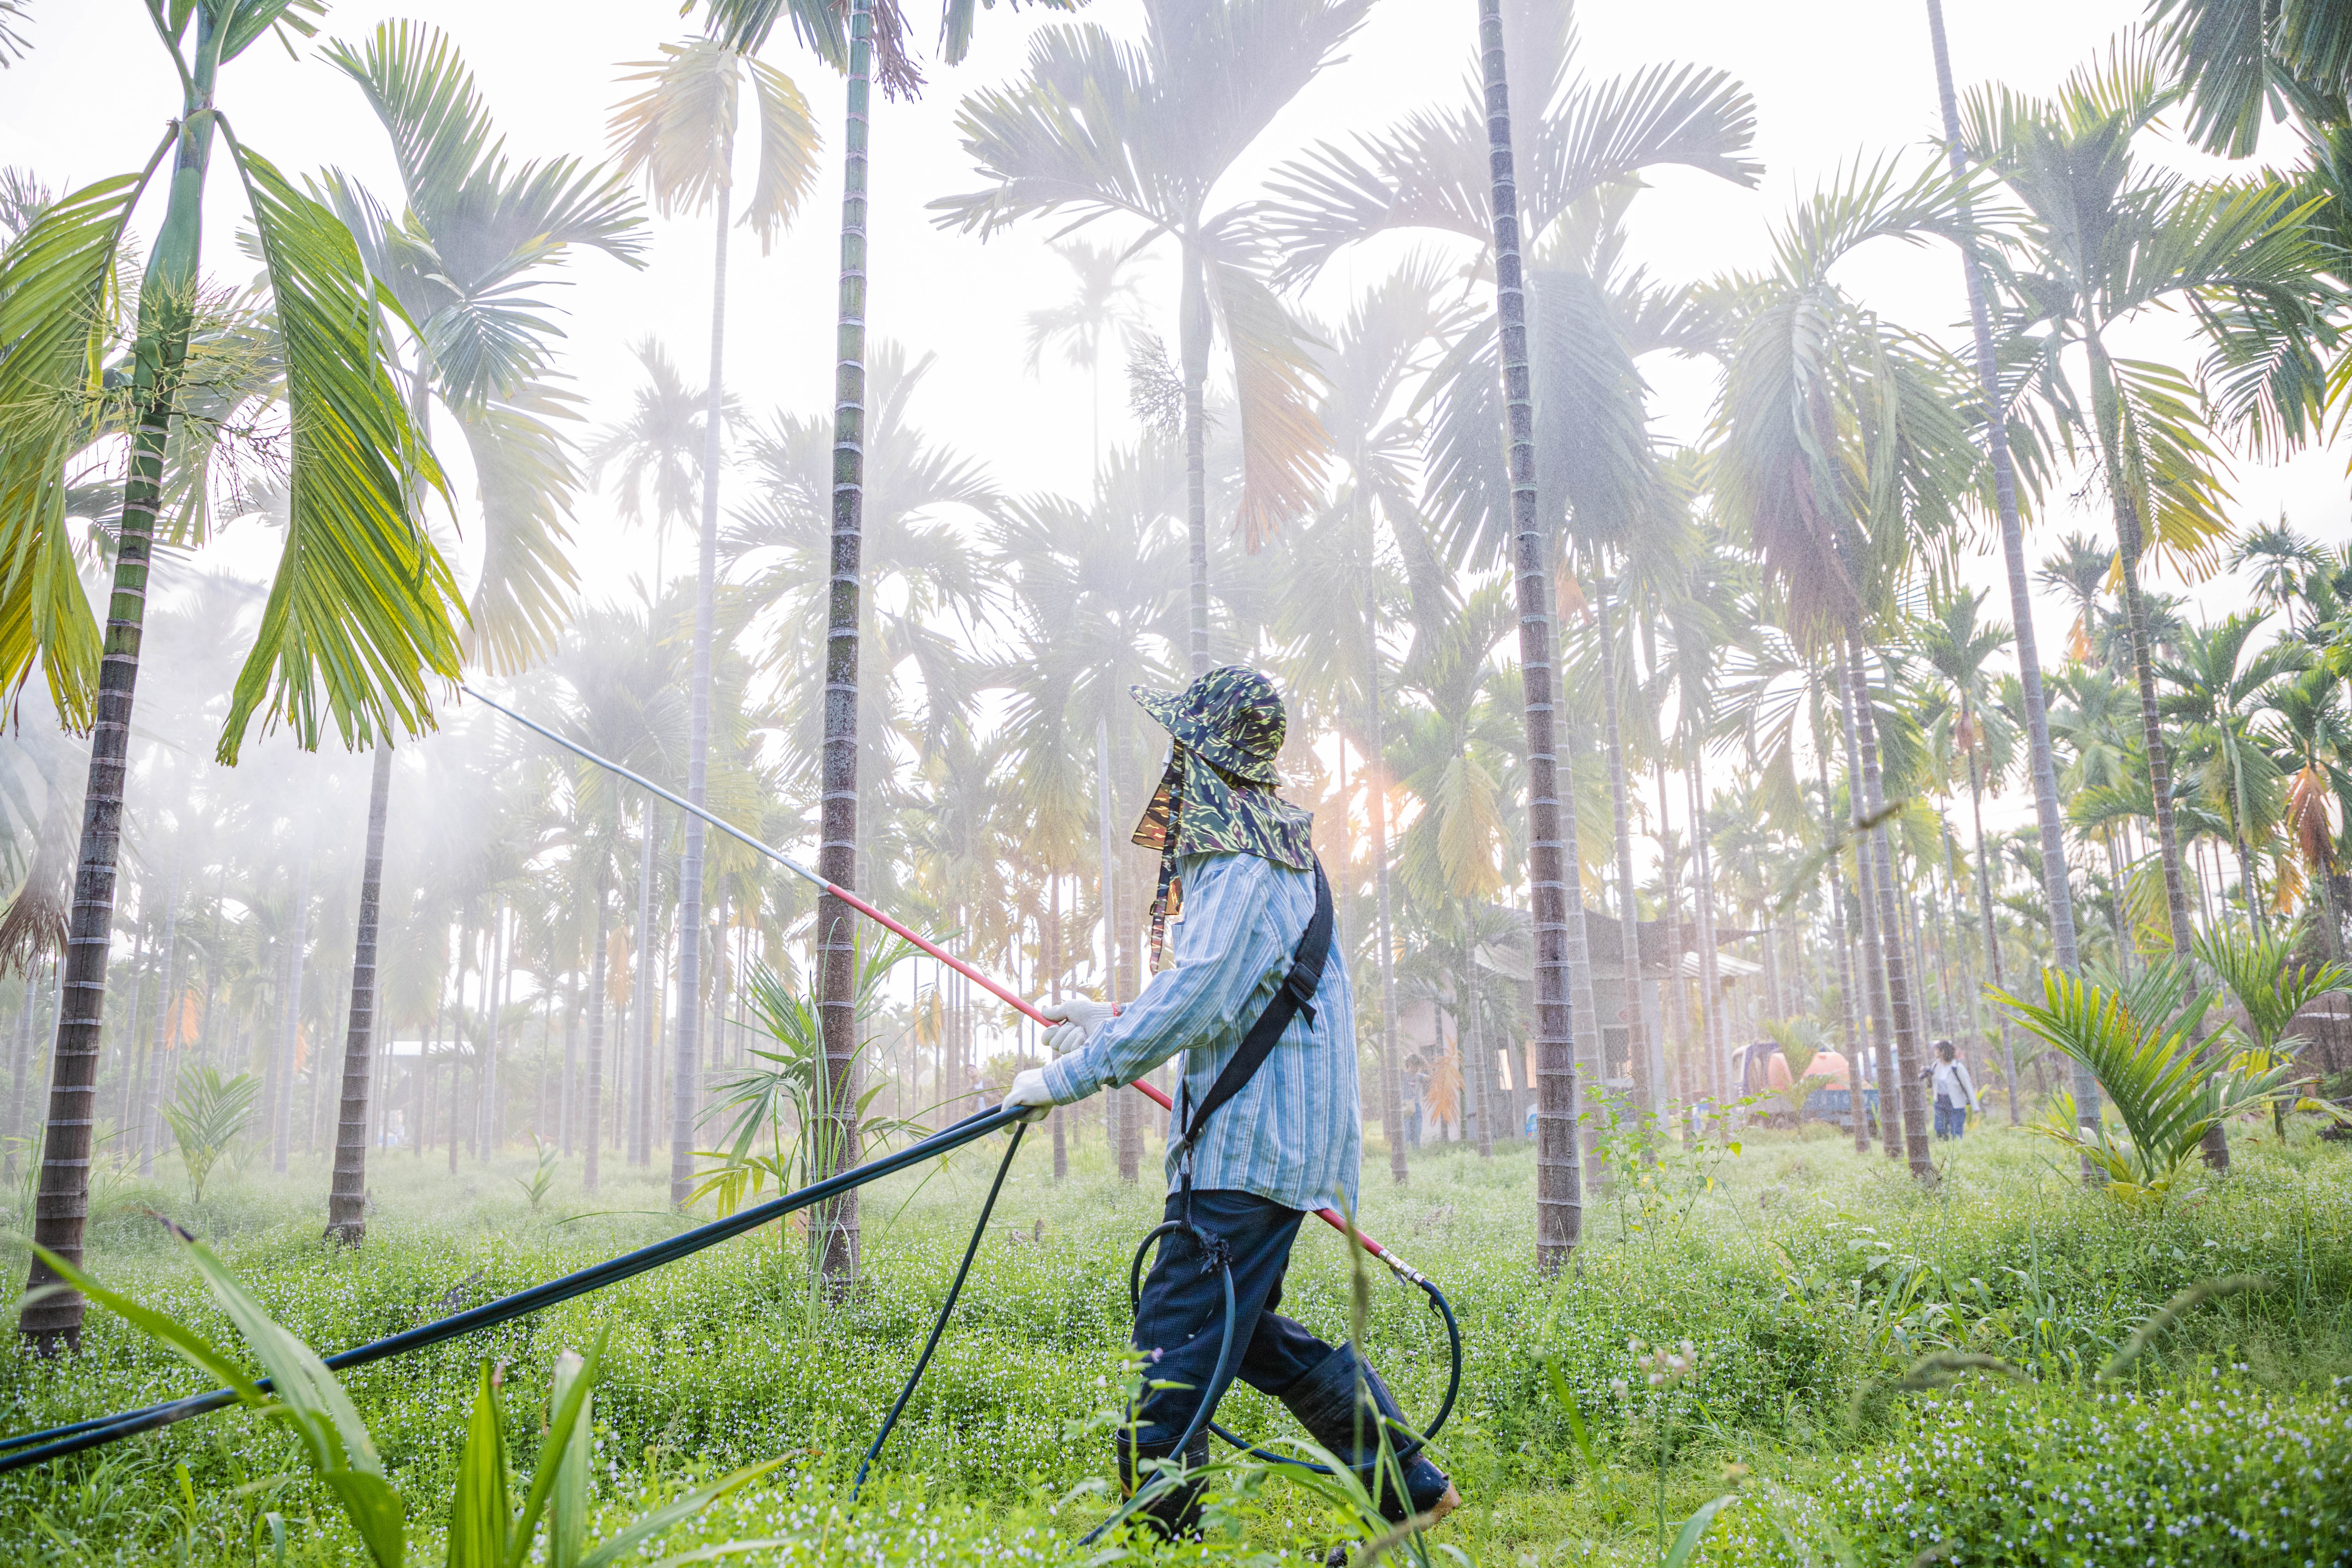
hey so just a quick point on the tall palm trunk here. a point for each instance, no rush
(1469, 1034)
(1559, 1197)
(159, 1027)
(697, 737)
(1584, 1013)
(1193, 331)
(1712, 1036)
(1855, 1044)
(2057, 891)
(1992, 935)
(1052, 947)
(166, 306)
(645, 998)
(347, 1202)
(834, 1233)
(1118, 1110)
(20, 1068)
(1910, 1092)
(290, 1038)
(1674, 996)
(1640, 1057)
(490, 1125)
(591, 1113)
(1874, 944)
(1376, 805)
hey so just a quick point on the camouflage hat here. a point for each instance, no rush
(1230, 718)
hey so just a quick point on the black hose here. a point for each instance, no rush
(57, 1441)
(1160, 1481)
(955, 1289)
(1444, 1408)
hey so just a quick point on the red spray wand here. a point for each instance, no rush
(1331, 1217)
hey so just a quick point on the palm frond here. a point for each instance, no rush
(488, 222)
(12, 45)
(57, 310)
(678, 130)
(288, 19)
(523, 466)
(362, 606)
(1285, 448)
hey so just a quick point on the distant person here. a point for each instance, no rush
(1954, 1091)
(1416, 1084)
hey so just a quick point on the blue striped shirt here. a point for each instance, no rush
(1295, 1133)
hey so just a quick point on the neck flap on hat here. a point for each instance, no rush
(1199, 809)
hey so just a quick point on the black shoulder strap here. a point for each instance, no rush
(1296, 996)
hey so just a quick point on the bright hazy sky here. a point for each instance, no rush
(1832, 79)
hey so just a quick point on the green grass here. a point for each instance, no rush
(1809, 1279)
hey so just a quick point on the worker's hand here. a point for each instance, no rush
(1075, 1022)
(1029, 1089)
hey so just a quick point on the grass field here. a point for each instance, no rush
(1809, 1281)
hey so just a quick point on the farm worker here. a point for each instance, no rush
(1955, 1090)
(1249, 1156)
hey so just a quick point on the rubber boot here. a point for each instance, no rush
(1175, 1510)
(1323, 1401)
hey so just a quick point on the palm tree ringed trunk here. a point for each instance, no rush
(62, 1209)
(1193, 347)
(1376, 801)
(1909, 1091)
(1560, 1198)
(592, 1114)
(2057, 890)
(347, 1202)
(1991, 936)
(686, 1070)
(645, 998)
(835, 1231)
(159, 1027)
(1855, 1095)
(1638, 1055)
(1873, 945)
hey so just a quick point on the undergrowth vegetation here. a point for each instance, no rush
(1872, 1372)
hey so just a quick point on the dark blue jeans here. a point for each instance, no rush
(1179, 1321)
(1951, 1121)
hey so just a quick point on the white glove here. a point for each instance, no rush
(1029, 1089)
(1075, 1022)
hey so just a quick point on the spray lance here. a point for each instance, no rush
(35, 1447)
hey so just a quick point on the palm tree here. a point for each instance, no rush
(2280, 558)
(1109, 576)
(2104, 240)
(904, 567)
(2218, 687)
(1332, 577)
(471, 235)
(1149, 134)
(857, 48)
(622, 702)
(1107, 298)
(679, 133)
(362, 607)
(1459, 173)
(2080, 571)
(1956, 647)
(1839, 453)
(2056, 889)
(2317, 743)
(1448, 752)
(657, 450)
